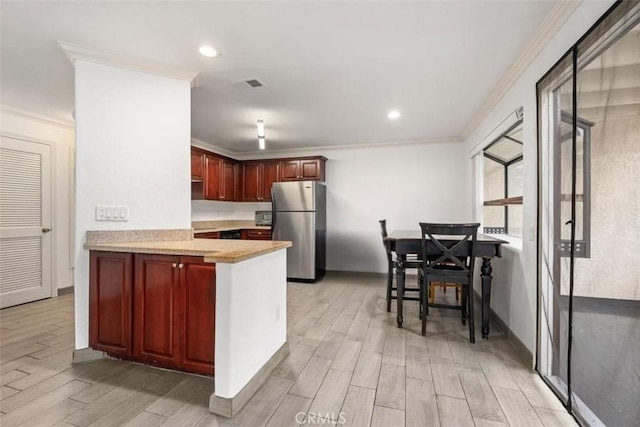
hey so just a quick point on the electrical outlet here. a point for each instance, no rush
(112, 213)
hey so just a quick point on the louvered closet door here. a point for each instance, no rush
(25, 221)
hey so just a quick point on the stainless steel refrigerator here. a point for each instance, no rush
(300, 216)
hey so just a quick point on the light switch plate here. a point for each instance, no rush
(112, 213)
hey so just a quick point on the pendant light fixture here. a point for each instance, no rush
(261, 138)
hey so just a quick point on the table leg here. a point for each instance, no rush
(485, 271)
(400, 275)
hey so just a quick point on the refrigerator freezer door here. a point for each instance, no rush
(299, 228)
(294, 196)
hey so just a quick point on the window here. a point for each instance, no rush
(562, 167)
(502, 166)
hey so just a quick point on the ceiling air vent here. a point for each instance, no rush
(250, 83)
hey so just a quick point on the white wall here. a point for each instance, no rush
(61, 138)
(404, 184)
(210, 210)
(514, 285)
(132, 148)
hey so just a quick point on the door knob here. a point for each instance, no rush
(174, 265)
(181, 265)
(46, 230)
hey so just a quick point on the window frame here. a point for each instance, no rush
(583, 246)
(505, 201)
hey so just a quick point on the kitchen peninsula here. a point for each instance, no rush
(214, 307)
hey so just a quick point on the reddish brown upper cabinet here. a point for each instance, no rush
(197, 165)
(219, 180)
(271, 174)
(228, 181)
(306, 169)
(213, 177)
(252, 180)
(257, 180)
(110, 296)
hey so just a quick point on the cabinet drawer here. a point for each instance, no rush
(258, 234)
(207, 235)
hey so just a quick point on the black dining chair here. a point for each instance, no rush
(411, 262)
(451, 254)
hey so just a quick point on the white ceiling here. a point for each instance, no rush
(333, 69)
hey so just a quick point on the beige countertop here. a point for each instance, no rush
(213, 250)
(226, 225)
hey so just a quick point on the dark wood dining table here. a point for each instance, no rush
(405, 242)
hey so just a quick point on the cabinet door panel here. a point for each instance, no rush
(271, 174)
(258, 234)
(290, 170)
(228, 181)
(213, 172)
(198, 283)
(197, 165)
(110, 302)
(156, 300)
(310, 169)
(251, 185)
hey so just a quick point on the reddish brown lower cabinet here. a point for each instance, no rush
(110, 296)
(198, 289)
(252, 234)
(156, 309)
(207, 235)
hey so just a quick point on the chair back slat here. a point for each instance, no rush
(383, 231)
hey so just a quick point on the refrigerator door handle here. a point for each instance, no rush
(273, 213)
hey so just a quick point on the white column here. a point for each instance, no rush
(133, 134)
(251, 318)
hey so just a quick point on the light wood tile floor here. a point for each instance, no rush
(349, 365)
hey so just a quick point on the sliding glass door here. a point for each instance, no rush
(589, 210)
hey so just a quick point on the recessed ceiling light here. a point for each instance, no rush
(394, 115)
(208, 51)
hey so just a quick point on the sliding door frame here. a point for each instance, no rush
(556, 74)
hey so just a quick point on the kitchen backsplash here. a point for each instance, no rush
(206, 210)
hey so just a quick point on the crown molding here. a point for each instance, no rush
(355, 146)
(14, 111)
(212, 147)
(75, 52)
(556, 18)
(250, 155)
